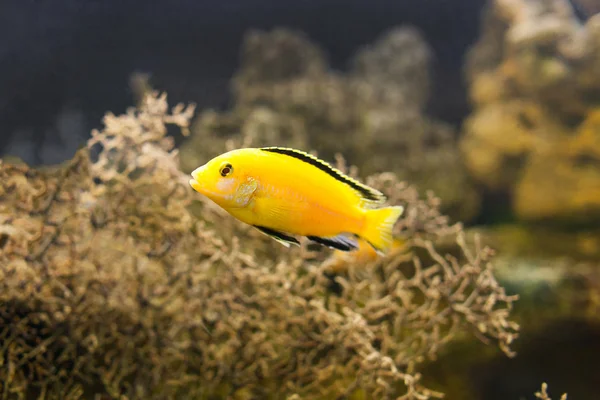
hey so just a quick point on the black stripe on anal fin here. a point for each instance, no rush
(340, 242)
(281, 237)
(366, 192)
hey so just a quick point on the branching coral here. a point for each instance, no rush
(117, 280)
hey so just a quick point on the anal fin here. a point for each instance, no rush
(281, 237)
(339, 242)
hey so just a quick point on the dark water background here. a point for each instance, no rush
(74, 57)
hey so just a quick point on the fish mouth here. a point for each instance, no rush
(196, 185)
(195, 181)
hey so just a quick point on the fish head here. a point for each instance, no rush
(225, 180)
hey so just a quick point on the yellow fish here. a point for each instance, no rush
(286, 193)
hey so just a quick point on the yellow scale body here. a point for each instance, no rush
(285, 192)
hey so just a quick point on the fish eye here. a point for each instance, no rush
(226, 169)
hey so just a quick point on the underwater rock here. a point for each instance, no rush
(278, 56)
(402, 79)
(561, 181)
(373, 115)
(535, 85)
(589, 7)
(117, 280)
(499, 138)
(539, 50)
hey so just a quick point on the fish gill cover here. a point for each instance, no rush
(117, 280)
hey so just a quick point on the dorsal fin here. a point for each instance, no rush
(367, 193)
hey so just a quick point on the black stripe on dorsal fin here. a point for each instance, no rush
(367, 193)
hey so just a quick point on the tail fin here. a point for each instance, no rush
(378, 230)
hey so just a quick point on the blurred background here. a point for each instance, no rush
(494, 105)
(73, 61)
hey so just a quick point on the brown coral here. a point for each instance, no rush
(117, 281)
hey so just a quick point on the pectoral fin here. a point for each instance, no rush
(244, 192)
(340, 242)
(281, 237)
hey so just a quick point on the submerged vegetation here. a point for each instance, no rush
(117, 280)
